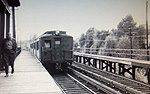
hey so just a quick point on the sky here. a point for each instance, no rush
(75, 16)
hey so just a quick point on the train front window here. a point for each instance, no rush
(47, 44)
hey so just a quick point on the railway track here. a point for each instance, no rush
(83, 79)
(108, 82)
(69, 85)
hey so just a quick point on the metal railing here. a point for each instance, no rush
(139, 54)
(121, 66)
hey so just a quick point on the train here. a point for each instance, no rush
(53, 48)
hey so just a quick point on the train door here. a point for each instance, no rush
(57, 49)
(67, 47)
(46, 50)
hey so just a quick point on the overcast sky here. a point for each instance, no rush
(75, 16)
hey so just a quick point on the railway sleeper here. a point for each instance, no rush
(114, 83)
(118, 78)
(95, 83)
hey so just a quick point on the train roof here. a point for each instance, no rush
(54, 33)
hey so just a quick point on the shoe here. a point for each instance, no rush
(6, 75)
(12, 71)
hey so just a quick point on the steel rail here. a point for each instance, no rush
(69, 85)
(114, 83)
(109, 73)
(136, 90)
(60, 87)
(95, 83)
(81, 84)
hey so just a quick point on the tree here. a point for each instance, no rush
(75, 45)
(126, 25)
(116, 38)
(98, 40)
(100, 37)
(110, 42)
(90, 37)
(140, 36)
(82, 40)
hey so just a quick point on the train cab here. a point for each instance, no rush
(55, 48)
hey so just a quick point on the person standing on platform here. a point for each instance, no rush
(9, 53)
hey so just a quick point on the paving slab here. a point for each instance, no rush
(30, 77)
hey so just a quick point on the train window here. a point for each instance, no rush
(37, 45)
(34, 45)
(31, 46)
(57, 42)
(47, 44)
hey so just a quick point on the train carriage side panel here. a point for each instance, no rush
(35, 48)
(38, 49)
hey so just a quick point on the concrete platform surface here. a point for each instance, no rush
(29, 77)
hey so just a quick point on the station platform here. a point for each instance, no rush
(30, 77)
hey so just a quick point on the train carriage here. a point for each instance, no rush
(52, 48)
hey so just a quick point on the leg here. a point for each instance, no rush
(6, 63)
(12, 59)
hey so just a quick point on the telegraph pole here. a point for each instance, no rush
(147, 30)
(130, 43)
